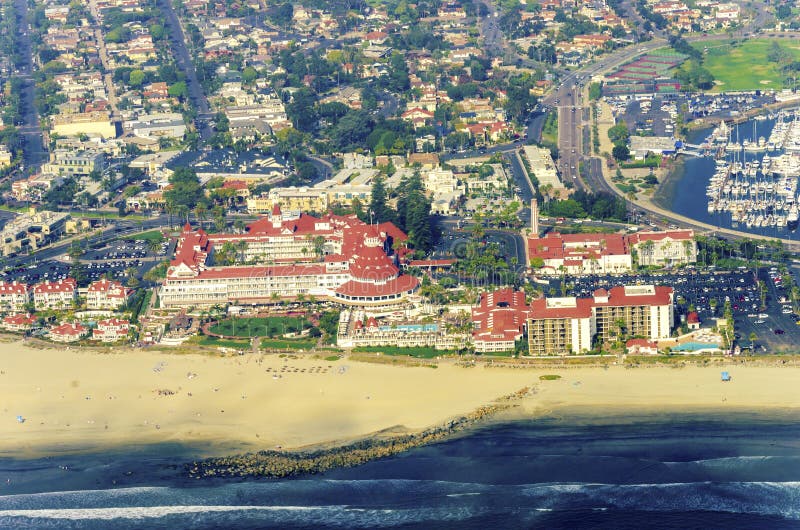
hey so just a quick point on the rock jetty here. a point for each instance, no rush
(282, 464)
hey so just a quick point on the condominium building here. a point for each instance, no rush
(107, 294)
(14, 296)
(560, 326)
(55, 295)
(634, 310)
(111, 330)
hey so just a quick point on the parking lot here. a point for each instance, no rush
(111, 260)
(706, 292)
(123, 249)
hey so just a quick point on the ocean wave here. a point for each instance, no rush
(780, 499)
(141, 512)
(391, 502)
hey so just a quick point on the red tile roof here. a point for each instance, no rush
(112, 288)
(617, 297)
(581, 309)
(13, 288)
(399, 285)
(67, 285)
(372, 264)
(310, 269)
(68, 330)
(641, 343)
(20, 319)
(677, 235)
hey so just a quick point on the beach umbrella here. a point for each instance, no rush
(20, 419)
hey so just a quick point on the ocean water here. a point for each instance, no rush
(585, 471)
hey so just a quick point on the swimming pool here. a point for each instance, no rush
(695, 346)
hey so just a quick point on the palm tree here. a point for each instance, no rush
(154, 245)
(201, 212)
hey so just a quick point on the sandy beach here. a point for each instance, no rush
(77, 400)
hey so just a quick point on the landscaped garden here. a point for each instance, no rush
(260, 326)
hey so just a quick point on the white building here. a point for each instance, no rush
(55, 295)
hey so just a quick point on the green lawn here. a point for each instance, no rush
(745, 67)
(420, 352)
(260, 327)
(148, 236)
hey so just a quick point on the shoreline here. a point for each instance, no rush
(664, 195)
(276, 416)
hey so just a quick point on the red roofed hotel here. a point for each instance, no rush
(558, 326)
(55, 295)
(356, 268)
(566, 325)
(499, 320)
(611, 253)
(580, 253)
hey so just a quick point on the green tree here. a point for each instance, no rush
(621, 152)
(380, 212)
(186, 191)
(178, 90)
(249, 74)
(136, 78)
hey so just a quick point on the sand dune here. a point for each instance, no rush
(80, 400)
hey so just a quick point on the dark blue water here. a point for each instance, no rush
(689, 471)
(689, 197)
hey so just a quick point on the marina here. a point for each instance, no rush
(750, 174)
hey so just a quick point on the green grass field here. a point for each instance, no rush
(259, 327)
(745, 67)
(148, 236)
(420, 353)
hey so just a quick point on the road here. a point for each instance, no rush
(33, 142)
(109, 233)
(493, 41)
(108, 79)
(185, 63)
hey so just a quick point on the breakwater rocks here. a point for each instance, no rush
(281, 464)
